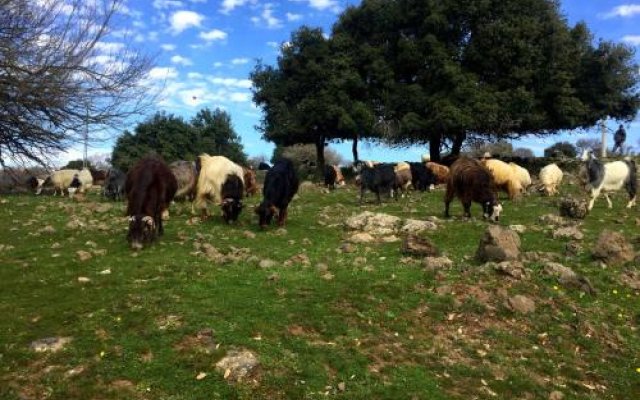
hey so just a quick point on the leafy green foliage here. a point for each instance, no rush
(561, 149)
(76, 164)
(174, 139)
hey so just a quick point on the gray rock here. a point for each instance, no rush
(568, 232)
(518, 228)
(266, 263)
(514, 269)
(347, 248)
(419, 246)
(612, 248)
(630, 279)
(437, 263)
(52, 344)
(376, 224)
(552, 219)
(361, 237)
(573, 208)
(413, 226)
(238, 365)
(498, 244)
(521, 304)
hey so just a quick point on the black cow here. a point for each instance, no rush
(150, 187)
(114, 184)
(280, 185)
(232, 193)
(421, 177)
(378, 178)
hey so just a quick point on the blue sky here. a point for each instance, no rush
(207, 48)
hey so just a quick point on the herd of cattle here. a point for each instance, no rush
(151, 185)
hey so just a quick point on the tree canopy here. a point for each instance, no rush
(58, 75)
(442, 71)
(175, 139)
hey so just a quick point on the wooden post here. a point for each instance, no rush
(603, 128)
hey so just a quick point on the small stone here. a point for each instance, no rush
(83, 255)
(521, 304)
(83, 279)
(518, 228)
(238, 364)
(48, 229)
(201, 376)
(570, 232)
(437, 263)
(419, 246)
(613, 248)
(514, 269)
(342, 386)
(52, 344)
(498, 244)
(556, 395)
(267, 263)
(347, 248)
(249, 234)
(361, 237)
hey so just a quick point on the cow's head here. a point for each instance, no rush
(492, 210)
(231, 209)
(142, 229)
(265, 214)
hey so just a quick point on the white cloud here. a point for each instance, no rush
(217, 64)
(195, 75)
(239, 61)
(108, 47)
(163, 73)
(267, 18)
(161, 4)
(181, 60)
(633, 40)
(230, 5)
(625, 10)
(275, 45)
(168, 47)
(293, 17)
(212, 35)
(238, 97)
(230, 82)
(322, 5)
(181, 20)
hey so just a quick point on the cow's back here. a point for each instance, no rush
(281, 183)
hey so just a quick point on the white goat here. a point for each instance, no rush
(212, 173)
(61, 179)
(608, 177)
(550, 178)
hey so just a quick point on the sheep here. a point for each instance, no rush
(440, 171)
(185, 173)
(504, 177)
(608, 177)
(61, 180)
(522, 174)
(550, 178)
(212, 173)
(471, 182)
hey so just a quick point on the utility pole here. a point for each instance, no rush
(603, 129)
(86, 138)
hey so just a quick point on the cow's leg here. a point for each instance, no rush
(378, 196)
(606, 196)
(632, 202)
(282, 216)
(158, 218)
(594, 195)
(467, 209)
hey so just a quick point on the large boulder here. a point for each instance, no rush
(498, 244)
(238, 365)
(613, 248)
(376, 224)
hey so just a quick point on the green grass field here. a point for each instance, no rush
(372, 324)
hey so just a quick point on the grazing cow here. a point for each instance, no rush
(150, 187)
(114, 184)
(611, 176)
(377, 178)
(61, 179)
(550, 178)
(99, 176)
(232, 194)
(280, 185)
(471, 182)
(333, 176)
(250, 182)
(213, 171)
(440, 171)
(422, 178)
(403, 178)
(186, 176)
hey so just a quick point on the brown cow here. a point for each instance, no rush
(250, 181)
(150, 187)
(472, 182)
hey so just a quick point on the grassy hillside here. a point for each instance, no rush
(367, 324)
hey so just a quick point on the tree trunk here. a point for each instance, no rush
(458, 141)
(434, 147)
(320, 157)
(354, 149)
